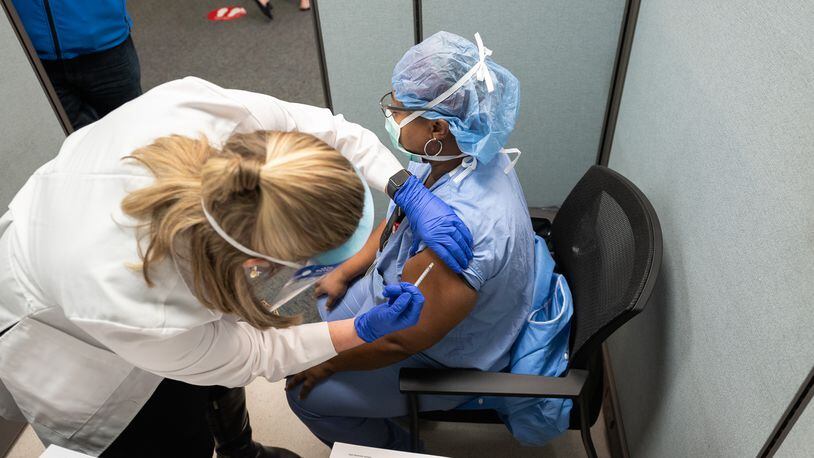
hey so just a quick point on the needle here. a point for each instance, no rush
(424, 274)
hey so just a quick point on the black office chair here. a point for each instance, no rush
(607, 243)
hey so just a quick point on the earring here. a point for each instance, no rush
(440, 147)
(254, 272)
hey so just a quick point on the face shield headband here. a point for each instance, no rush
(301, 276)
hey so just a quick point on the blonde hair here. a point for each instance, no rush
(284, 194)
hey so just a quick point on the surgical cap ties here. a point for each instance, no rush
(479, 71)
(482, 70)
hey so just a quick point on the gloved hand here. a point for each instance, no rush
(435, 224)
(401, 311)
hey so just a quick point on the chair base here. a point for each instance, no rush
(485, 417)
(462, 416)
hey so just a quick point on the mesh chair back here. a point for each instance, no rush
(607, 243)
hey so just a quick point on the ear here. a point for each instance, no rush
(255, 267)
(440, 129)
(252, 262)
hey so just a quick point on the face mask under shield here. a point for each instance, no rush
(283, 280)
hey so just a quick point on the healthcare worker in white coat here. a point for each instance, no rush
(126, 311)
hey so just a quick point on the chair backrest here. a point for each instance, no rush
(607, 242)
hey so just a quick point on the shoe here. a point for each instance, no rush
(305, 8)
(265, 9)
(229, 421)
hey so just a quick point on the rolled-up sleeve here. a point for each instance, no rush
(359, 145)
(223, 352)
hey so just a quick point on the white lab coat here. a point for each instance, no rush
(90, 341)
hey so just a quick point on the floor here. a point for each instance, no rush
(174, 39)
(280, 58)
(274, 424)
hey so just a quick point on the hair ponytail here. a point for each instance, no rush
(288, 195)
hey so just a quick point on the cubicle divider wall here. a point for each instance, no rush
(716, 127)
(563, 53)
(361, 45)
(32, 127)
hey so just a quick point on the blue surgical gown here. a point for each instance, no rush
(492, 205)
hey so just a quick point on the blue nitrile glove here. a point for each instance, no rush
(402, 309)
(435, 224)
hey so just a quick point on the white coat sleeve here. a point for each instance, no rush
(223, 352)
(359, 145)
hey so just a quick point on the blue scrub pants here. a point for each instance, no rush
(357, 407)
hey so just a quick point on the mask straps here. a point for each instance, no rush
(240, 247)
(513, 161)
(479, 70)
(470, 164)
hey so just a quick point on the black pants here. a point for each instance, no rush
(92, 85)
(171, 424)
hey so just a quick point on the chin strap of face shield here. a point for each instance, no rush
(214, 224)
(470, 164)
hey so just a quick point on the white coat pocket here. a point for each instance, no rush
(57, 380)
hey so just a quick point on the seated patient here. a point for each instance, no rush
(471, 319)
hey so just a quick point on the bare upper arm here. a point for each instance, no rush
(449, 299)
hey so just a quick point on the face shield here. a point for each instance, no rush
(286, 279)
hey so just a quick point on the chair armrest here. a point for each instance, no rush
(474, 383)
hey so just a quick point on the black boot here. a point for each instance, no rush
(229, 421)
(265, 9)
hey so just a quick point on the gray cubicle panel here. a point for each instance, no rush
(30, 130)
(563, 53)
(362, 42)
(30, 134)
(716, 126)
(800, 440)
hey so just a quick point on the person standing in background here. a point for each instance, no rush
(266, 7)
(86, 49)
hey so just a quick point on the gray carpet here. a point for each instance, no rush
(174, 39)
(304, 304)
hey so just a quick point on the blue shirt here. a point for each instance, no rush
(64, 29)
(492, 205)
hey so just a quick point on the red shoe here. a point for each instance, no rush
(227, 13)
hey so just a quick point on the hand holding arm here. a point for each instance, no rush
(434, 223)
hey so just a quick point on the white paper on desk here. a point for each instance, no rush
(55, 451)
(341, 450)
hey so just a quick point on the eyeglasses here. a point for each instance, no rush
(387, 104)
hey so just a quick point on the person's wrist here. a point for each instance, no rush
(396, 182)
(402, 196)
(344, 335)
(341, 274)
(329, 368)
(360, 324)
